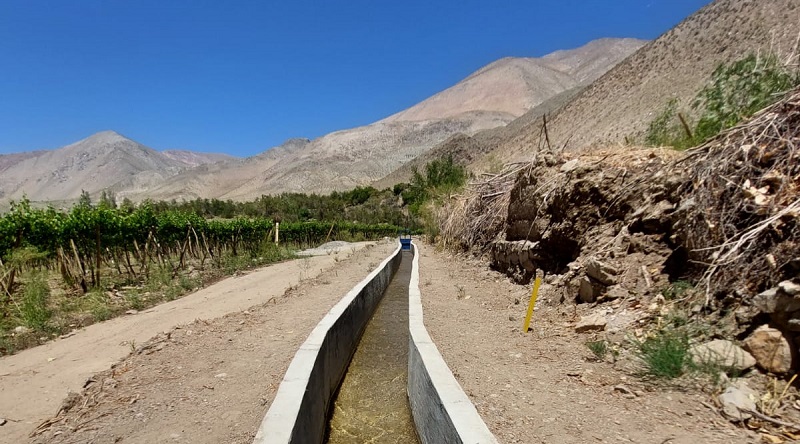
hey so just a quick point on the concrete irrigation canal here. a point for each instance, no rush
(369, 372)
(372, 405)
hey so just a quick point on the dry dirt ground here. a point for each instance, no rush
(179, 374)
(542, 387)
(212, 381)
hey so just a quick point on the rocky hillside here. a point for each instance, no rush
(193, 158)
(712, 231)
(676, 65)
(617, 107)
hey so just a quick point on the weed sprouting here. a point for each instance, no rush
(33, 307)
(598, 348)
(665, 354)
(676, 290)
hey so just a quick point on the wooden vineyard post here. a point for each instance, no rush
(532, 303)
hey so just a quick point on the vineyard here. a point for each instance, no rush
(89, 252)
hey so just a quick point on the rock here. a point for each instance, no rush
(589, 291)
(21, 330)
(722, 353)
(570, 166)
(221, 375)
(616, 292)
(70, 402)
(790, 288)
(131, 312)
(601, 272)
(771, 349)
(592, 322)
(3, 421)
(657, 216)
(744, 314)
(624, 390)
(67, 335)
(775, 300)
(737, 402)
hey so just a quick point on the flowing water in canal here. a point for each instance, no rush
(372, 404)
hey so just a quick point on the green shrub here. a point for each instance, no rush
(676, 289)
(740, 89)
(735, 92)
(158, 278)
(134, 300)
(33, 305)
(99, 305)
(663, 130)
(665, 354)
(441, 176)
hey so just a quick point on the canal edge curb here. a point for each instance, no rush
(442, 411)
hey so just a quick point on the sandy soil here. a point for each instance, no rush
(212, 381)
(541, 387)
(181, 375)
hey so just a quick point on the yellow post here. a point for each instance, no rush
(532, 304)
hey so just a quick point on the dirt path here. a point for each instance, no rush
(540, 387)
(33, 383)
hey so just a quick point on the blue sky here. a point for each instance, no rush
(243, 76)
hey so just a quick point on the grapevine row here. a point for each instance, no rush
(82, 241)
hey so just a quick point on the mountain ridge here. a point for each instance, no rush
(490, 98)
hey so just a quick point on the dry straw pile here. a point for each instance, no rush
(474, 219)
(739, 213)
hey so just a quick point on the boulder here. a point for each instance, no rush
(601, 272)
(771, 349)
(592, 322)
(589, 291)
(722, 353)
(738, 401)
(789, 288)
(775, 300)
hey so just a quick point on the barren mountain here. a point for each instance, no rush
(489, 98)
(621, 103)
(99, 162)
(515, 85)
